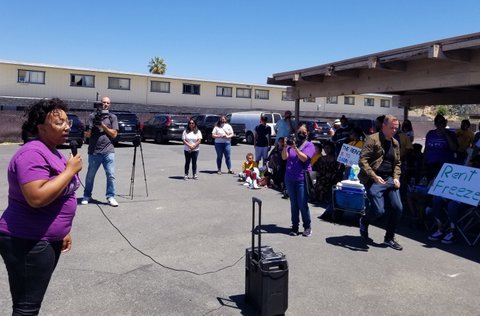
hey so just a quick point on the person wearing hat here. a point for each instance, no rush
(284, 127)
(336, 125)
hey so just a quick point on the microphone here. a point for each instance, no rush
(73, 147)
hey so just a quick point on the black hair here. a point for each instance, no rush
(38, 111)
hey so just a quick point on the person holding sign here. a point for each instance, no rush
(380, 174)
(454, 201)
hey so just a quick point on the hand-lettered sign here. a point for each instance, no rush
(349, 155)
(459, 183)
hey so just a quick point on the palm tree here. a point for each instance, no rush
(157, 66)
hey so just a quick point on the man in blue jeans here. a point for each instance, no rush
(380, 173)
(102, 129)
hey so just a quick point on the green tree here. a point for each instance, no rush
(442, 109)
(157, 66)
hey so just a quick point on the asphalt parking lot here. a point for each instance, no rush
(179, 251)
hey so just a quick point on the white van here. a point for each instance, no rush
(251, 119)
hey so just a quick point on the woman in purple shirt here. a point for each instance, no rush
(35, 227)
(298, 154)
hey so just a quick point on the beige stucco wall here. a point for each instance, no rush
(57, 84)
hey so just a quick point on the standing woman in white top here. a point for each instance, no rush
(223, 133)
(191, 138)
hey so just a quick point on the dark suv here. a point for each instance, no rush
(164, 127)
(366, 125)
(318, 130)
(77, 130)
(129, 126)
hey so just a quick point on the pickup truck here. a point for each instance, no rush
(206, 123)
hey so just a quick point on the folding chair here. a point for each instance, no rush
(468, 225)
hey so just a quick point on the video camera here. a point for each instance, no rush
(100, 113)
(291, 139)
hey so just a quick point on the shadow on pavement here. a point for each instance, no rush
(274, 229)
(237, 302)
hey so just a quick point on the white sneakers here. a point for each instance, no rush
(111, 201)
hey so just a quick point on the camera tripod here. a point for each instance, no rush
(137, 143)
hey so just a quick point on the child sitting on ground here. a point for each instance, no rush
(248, 164)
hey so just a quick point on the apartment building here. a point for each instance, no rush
(30, 80)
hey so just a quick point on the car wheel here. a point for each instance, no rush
(234, 141)
(249, 138)
(210, 139)
(159, 138)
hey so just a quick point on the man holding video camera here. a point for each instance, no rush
(102, 128)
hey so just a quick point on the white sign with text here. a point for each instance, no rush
(349, 155)
(459, 183)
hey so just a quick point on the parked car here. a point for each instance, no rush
(206, 123)
(77, 130)
(251, 119)
(318, 130)
(164, 127)
(366, 125)
(129, 126)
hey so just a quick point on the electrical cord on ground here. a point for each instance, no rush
(153, 259)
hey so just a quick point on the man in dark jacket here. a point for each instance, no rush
(380, 173)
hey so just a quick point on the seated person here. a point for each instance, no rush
(276, 164)
(316, 155)
(248, 164)
(356, 139)
(447, 223)
(328, 171)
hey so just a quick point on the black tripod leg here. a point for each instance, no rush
(132, 177)
(144, 173)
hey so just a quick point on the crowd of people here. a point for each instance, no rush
(42, 182)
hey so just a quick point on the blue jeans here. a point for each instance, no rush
(376, 195)
(298, 202)
(94, 162)
(30, 265)
(223, 149)
(452, 208)
(191, 155)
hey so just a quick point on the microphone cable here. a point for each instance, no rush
(153, 259)
(159, 263)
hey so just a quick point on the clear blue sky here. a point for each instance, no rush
(224, 40)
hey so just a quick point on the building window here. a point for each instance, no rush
(385, 103)
(244, 93)
(369, 102)
(349, 100)
(309, 99)
(332, 100)
(82, 81)
(30, 76)
(286, 96)
(160, 86)
(191, 88)
(224, 91)
(118, 83)
(262, 94)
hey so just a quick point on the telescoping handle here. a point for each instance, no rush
(259, 202)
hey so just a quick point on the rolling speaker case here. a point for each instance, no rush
(266, 273)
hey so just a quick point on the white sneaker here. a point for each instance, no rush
(111, 200)
(307, 232)
(85, 200)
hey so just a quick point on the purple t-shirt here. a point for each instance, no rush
(437, 149)
(34, 161)
(295, 167)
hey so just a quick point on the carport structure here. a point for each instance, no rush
(446, 71)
